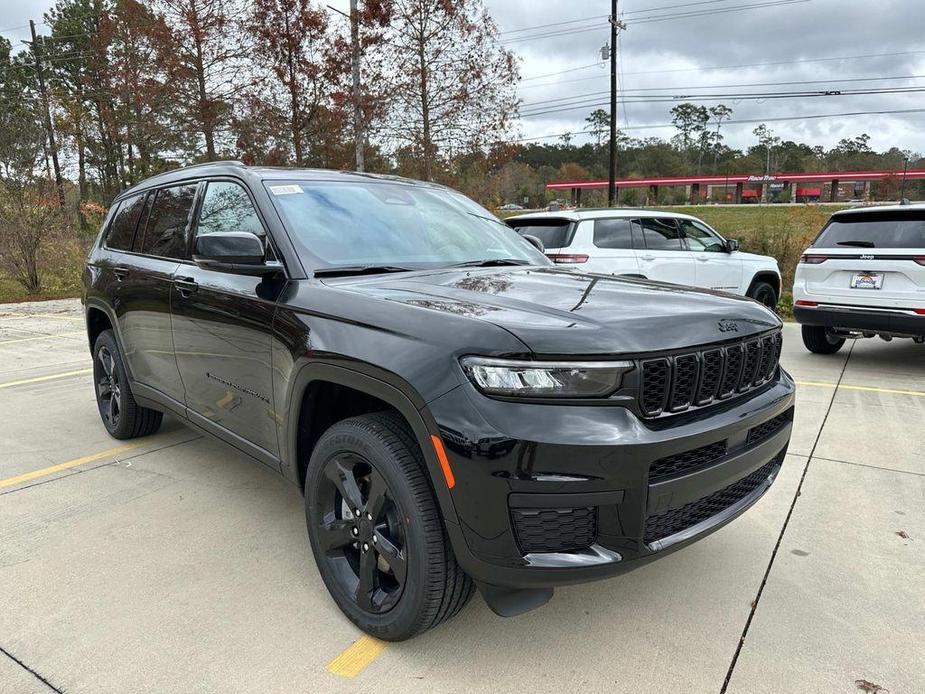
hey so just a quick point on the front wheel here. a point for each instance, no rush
(376, 532)
(122, 416)
(818, 341)
(763, 293)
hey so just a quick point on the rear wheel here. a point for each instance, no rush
(375, 530)
(818, 341)
(763, 293)
(122, 416)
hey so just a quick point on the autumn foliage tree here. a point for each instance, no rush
(290, 37)
(452, 84)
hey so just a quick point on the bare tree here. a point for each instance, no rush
(452, 84)
(29, 216)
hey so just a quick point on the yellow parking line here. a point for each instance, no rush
(39, 379)
(866, 389)
(357, 656)
(40, 337)
(10, 481)
(26, 316)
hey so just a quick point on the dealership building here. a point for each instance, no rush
(831, 186)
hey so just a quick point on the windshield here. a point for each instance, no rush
(382, 223)
(883, 230)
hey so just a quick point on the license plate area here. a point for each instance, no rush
(867, 280)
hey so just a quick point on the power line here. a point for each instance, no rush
(719, 67)
(755, 96)
(656, 18)
(750, 121)
(788, 83)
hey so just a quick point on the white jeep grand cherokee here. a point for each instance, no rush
(864, 275)
(661, 246)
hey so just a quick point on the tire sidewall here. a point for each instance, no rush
(123, 429)
(403, 618)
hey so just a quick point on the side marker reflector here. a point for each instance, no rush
(444, 463)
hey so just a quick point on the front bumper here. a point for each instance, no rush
(851, 318)
(549, 495)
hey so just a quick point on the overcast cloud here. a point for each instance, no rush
(802, 31)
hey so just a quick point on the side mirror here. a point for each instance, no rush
(732, 245)
(536, 242)
(237, 252)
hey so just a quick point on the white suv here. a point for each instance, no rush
(864, 275)
(661, 246)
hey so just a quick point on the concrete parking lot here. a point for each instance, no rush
(175, 564)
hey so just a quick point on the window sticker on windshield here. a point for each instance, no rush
(286, 190)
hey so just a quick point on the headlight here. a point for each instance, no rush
(542, 379)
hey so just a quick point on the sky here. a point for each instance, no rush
(718, 47)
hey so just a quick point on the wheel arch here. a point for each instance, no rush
(769, 277)
(372, 386)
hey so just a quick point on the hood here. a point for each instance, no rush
(558, 312)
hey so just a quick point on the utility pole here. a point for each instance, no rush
(611, 181)
(359, 140)
(355, 60)
(59, 183)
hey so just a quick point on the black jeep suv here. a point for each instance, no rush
(458, 411)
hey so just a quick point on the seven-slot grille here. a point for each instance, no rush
(695, 379)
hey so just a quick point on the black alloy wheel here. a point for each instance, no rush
(376, 531)
(361, 533)
(108, 388)
(122, 416)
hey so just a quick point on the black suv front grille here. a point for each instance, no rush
(702, 377)
(681, 463)
(662, 525)
(554, 529)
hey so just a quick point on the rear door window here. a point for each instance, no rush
(616, 233)
(661, 234)
(166, 234)
(122, 228)
(554, 233)
(874, 230)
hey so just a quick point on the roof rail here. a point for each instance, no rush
(225, 162)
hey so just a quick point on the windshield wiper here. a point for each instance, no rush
(492, 262)
(344, 270)
(859, 244)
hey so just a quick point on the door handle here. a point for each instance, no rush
(120, 271)
(185, 285)
(647, 257)
(702, 259)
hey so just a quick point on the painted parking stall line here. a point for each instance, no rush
(49, 377)
(44, 472)
(357, 657)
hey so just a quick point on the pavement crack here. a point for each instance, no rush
(41, 678)
(780, 537)
(872, 467)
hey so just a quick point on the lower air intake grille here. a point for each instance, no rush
(767, 429)
(663, 525)
(681, 463)
(554, 529)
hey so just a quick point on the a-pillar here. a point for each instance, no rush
(833, 194)
(695, 193)
(740, 187)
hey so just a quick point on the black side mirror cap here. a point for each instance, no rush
(535, 240)
(732, 245)
(237, 252)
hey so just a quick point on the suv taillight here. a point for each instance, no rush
(810, 259)
(567, 258)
